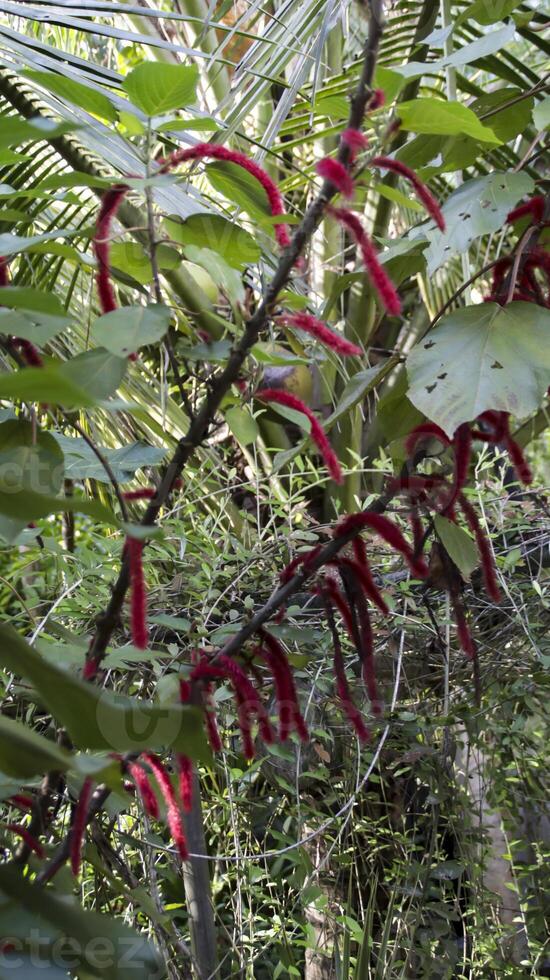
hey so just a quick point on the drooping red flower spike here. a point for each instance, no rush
(335, 172)
(30, 353)
(355, 140)
(210, 719)
(290, 716)
(376, 272)
(426, 430)
(339, 600)
(500, 433)
(423, 193)
(416, 528)
(367, 655)
(173, 815)
(4, 277)
(185, 781)
(534, 207)
(318, 435)
(147, 493)
(371, 589)
(303, 558)
(251, 701)
(30, 840)
(462, 629)
(138, 599)
(462, 446)
(377, 100)
(363, 575)
(342, 688)
(21, 801)
(388, 531)
(483, 547)
(311, 325)
(78, 828)
(213, 151)
(146, 791)
(110, 204)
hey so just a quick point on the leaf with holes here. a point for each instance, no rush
(482, 357)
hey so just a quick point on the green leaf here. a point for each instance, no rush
(81, 95)
(479, 358)
(391, 82)
(215, 232)
(39, 328)
(443, 118)
(125, 330)
(485, 12)
(132, 259)
(243, 425)
(511, 121)
(18, 130)
(458, 544)
(478, 207)
(239, 187)
(15, 244)
(25, 753)
(81, 463)
(79, 383)
(156, 87)
(101, 943)
(31, 506)
(358, 386)
(541, 114)
(226, 278)
(29, 460)
(98, 719)
(27, 298)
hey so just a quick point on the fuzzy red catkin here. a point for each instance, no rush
(138, 608)
(185, 781)
(304, 558)
(367, 657)
(342, 688)
(364, 577)
(483, 547)
(173, 815)
(146, 791)
(339, 600)
(377, 274)
(285, 688)
(210, 719)
(425, 430)
(78, 828)
(90, 668)
(311, 325)
(318, 435)
(533, 207)
(215, 152)
(376, 100)
(388, 531)
(30, 353)
(21, 801)
(29, 839)
(251, 700)
(515, 452)
(4, 277)
(355, 140)
(336, 174)
(462, 629)
(417, 529)
(147, 493)
(462, 446)
(423, 193)
(370, 586)
(110, 204)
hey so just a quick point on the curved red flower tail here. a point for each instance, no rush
(483, 547)
(110, 204)
(4, 276)
(426, 430)
(534, 207)
(203, 151)
(141, 779)
(367, 656)
(462, 629)
(497, 423)
(21, 801)
(363, 575)
(388, 531)
(339, 600)
(424, 195)
(318, 435)
(417, 529)
(30, 353)
(304, 558)
(185, 781)
(210, 719)
(342, 688)
(248, 701)
(311, 325)
(369, 585)
(377, 100)
(138, 599)
(173, 814)
(462, 446)
(78, 828)
(515, 452)
(377, 274)
(290, 716)
(355, 140)
(336, 174)
(147, 493)
(30, 840)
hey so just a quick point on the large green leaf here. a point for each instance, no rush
(30, 506)
(81, 463)
(125, 330)
(443, 118)
(215, 232)
(239, 187)
(487, 13)
(482, 357)
(27, 298)
(458, 544)
(17, 130)
(39, 328)
(81, 382)
(478, 207)
(25, 753)
(84, 96)
(99, 719)
(156, 87)
(101, 944)
(29, 460)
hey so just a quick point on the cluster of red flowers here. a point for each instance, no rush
(534, 262)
